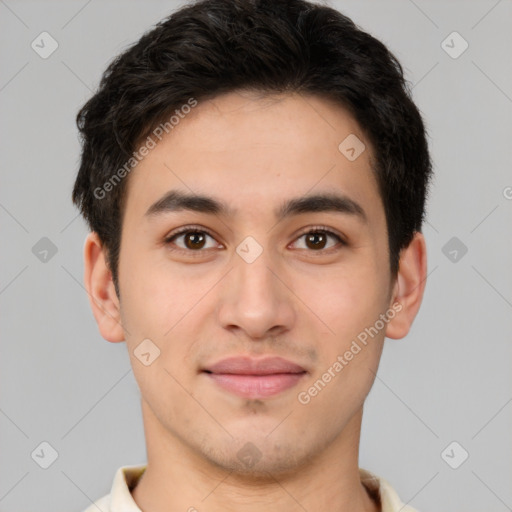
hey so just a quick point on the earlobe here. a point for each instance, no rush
(100, 288)
(409, 287)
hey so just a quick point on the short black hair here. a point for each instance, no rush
(211, 47)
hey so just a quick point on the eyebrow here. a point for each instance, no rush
(176, 200)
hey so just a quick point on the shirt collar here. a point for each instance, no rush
(126, 479)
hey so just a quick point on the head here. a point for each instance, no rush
(279, 118)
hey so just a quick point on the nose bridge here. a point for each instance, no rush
(254, 280)
(255, 300)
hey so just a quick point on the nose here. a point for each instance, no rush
(256, 299)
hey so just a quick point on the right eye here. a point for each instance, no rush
(193, 239)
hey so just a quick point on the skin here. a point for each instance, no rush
(296, 301)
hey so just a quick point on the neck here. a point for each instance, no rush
(177, 477)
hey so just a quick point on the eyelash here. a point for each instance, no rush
(196, 229)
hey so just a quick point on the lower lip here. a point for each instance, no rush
(256, 386)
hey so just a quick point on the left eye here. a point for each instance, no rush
(317, 239)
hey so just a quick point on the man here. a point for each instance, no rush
(254, 174)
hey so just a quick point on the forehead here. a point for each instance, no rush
(252, 150)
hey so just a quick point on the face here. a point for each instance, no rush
(261, 268)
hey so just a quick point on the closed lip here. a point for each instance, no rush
(253, 366)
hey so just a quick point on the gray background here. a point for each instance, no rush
(449, 380)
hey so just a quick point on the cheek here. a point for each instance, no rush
(346, 302)
(155, 299)
(349, 358)
(162, 306)
(349, 305)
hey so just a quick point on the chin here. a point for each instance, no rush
(258, 457)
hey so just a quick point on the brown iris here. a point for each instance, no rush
(194, 240)
(316, 239)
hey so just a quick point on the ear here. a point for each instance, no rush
(100, 288)
(409, 287)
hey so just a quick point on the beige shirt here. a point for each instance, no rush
(126, 478)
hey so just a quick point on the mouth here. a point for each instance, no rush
(255, 378)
